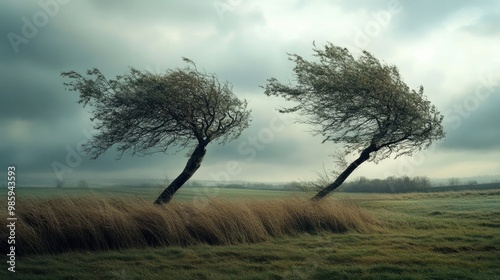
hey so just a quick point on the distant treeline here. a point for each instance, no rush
(392, 184)
(362, 184)
(388, 185)
(406, 184)
(294, 186)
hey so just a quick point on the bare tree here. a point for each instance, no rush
(360, 103)
(145, 113)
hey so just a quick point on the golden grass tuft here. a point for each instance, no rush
(96, 223)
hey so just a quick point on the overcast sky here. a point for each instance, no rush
(449, 47)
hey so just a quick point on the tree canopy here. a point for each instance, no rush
(361, 103)
(145, 113)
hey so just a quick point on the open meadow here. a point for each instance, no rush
(448, 235)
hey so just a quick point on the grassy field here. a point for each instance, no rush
(452, 235)
(149, 193)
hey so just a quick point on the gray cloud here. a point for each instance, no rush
(472, 124)
(39, 119)
(42, 98)
(420, 17)
(488, 25)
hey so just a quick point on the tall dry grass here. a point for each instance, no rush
(96, 223)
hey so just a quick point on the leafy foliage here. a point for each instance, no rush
(147, 113)
(360, 102)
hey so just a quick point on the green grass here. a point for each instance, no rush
(452, 235)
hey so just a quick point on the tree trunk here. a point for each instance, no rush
(192, 165)
(365, 154)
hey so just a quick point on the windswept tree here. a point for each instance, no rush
(360, 103)
(145, 113)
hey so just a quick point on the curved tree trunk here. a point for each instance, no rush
(365, 155)
(192, 165)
